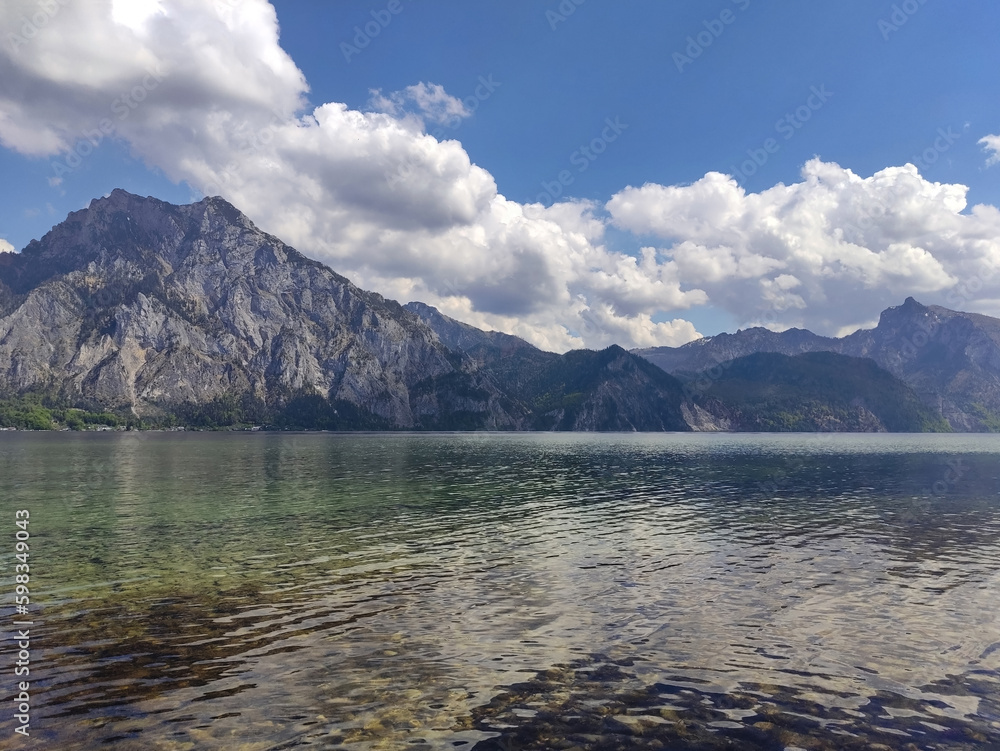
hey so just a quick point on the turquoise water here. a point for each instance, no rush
(266, 591)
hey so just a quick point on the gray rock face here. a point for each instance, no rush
(950, 359)
(136, 303)
(462, 337)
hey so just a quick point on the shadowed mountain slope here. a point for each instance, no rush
(949, 358)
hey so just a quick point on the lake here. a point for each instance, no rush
(502, 591)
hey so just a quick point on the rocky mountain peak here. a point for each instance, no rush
(136, 303)
(910, 310)
(951, 359)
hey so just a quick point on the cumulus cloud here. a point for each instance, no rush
(147, 73)
(827, 252)
(204, 92)
(6, 247)
(991, 145)
(429, 101)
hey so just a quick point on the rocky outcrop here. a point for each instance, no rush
(138, 304)
(701, 420)
(192, 313)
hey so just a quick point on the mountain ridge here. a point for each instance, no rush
(949, 358)
(811, 391)
(609, 389)
(191, 314)
(137, 304)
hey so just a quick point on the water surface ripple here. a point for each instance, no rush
(430, 591)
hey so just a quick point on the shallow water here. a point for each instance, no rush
(265, 591)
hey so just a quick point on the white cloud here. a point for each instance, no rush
(134, 13)
(826, 253)
(204, 92)
(430, 101)
(82, 66)
(6, 247)
(991, 144)
(368, 192)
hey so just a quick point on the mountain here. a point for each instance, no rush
(138, 311)
(137, 305)
(607, 390)
(192, 315)
(481, 345)
(817, 391)
(509, 360)
(706, 353)
(950, 359)
(580, 390)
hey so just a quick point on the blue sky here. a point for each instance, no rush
(566, 107)
(616, 60)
